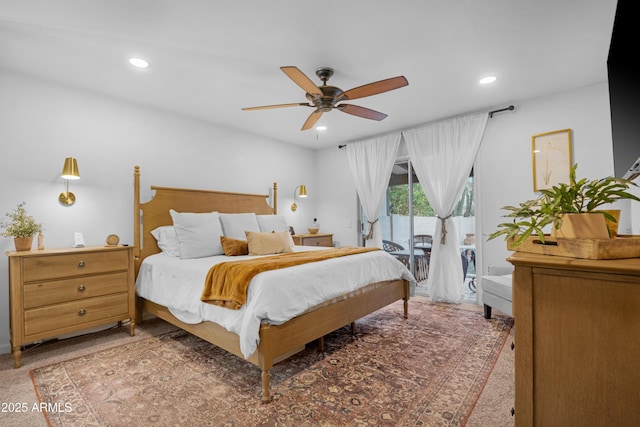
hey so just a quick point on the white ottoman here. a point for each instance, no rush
(496, 293)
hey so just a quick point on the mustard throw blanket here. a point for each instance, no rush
(226, 284)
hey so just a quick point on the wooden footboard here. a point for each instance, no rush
(278, 342)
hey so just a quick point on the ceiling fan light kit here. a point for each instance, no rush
(325, 98)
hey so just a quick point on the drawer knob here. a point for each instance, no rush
(81, 264)
(81, 288)
(82, 312)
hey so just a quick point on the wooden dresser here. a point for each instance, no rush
(577, 337)
(57, 291)
(318, 239)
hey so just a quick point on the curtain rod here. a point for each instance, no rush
(491, 113)
(509, 108)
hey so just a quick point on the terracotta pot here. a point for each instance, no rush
(23, 243)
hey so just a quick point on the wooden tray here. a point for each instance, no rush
(623, 246)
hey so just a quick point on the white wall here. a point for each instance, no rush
(338, 206)
(42, 123)
(503, 167)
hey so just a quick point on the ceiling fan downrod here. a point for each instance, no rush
(324, 74)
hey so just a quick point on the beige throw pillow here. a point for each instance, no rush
(268, 243)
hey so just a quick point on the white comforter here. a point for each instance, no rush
(274, 296)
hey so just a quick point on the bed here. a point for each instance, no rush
(275, 340)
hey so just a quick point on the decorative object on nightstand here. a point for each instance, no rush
(40, 241)
(302, 193)
(317, 239)
(22, 228)
(56, 291)
(69, 171)
(315, 226)
(112, 240)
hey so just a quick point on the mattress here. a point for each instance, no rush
(273, 297)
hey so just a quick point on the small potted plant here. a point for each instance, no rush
(578, 197)
(21, 227)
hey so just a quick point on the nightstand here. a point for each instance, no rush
(57, 291)
(318, 239)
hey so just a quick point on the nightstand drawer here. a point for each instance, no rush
(59, 316)
(73, 264)
(65, 290)
(317, 241)
(320, 239)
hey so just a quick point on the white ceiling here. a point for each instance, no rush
(211, 58)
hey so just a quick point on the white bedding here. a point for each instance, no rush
(274, 296)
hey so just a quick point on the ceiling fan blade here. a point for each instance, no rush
(266, 107)
(312, 120)
(361, 112)
(301, 80)
(375, 88)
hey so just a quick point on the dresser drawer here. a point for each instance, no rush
(38, 294)
(73, 264)
(59, 316)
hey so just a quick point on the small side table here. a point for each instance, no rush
(318, 239)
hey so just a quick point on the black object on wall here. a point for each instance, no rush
(624, 88)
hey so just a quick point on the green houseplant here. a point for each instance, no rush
(21, 227)
(578, 196)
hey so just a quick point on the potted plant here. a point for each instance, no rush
(578, 197)
(22, 228)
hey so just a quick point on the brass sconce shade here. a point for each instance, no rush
(69, 171)
(302, 193)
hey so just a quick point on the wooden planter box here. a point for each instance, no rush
(623, 246)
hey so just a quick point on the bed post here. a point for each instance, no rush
(407, 292)
(136, 217)
(265, 360)
(136, 237)
(275, 198)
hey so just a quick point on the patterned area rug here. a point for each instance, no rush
(427, 370)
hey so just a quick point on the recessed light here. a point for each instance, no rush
(138, 63)
(487, 80)
(321, 128)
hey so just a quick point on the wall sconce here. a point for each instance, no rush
(302, 193)
(69, 171)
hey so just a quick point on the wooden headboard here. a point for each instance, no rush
(155, 212)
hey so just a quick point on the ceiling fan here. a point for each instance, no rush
(325, 98)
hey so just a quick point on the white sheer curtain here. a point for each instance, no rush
(371, 162)
(443, 154)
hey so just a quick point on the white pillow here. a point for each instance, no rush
(274, 224)
(234, 225)
(269, 223)
(198, 233)
(167, 240)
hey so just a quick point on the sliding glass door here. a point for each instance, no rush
(408, 222)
